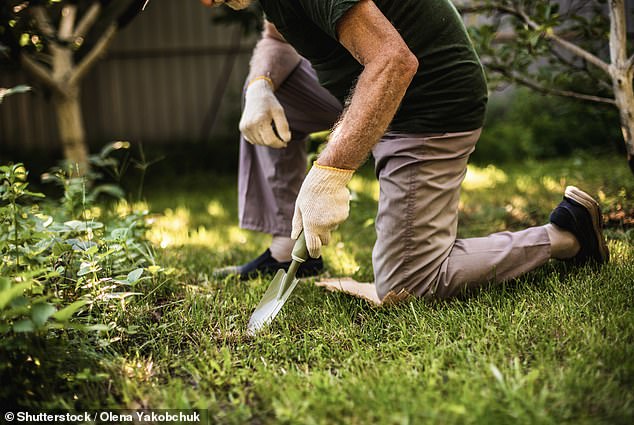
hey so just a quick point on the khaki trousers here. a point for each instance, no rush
(419, 176)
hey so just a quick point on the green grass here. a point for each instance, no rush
(556, 346)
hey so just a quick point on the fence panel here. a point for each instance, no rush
(155, 85)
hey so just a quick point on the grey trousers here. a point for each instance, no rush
(419, 177)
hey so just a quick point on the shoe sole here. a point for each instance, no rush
(592, 206)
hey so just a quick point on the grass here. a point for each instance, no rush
(556, 346)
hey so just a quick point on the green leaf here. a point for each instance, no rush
(109, 189)
(17, 89)
(83, 226)
(97, 328)
(20, 301)
(92, 250)
(119, 233)
(13, 292)
(134, 275)
(73, 224)
(78, 245)
(87, 268)
(109, 148)
(60, 248)
(66, 313)
(5, 284)
(23, 326)
(34, 194)
(41, 312)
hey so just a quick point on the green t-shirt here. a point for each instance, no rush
(447, 94)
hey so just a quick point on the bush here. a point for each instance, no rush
(525, 125)
(63, 257)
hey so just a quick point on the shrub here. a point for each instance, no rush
(524, 125)
(62, 257)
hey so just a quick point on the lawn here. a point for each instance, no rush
(556, 346)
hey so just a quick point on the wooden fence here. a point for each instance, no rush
(160, 82)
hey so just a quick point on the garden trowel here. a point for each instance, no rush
(279, 290)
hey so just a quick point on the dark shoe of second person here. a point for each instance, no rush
(579, 214)
(265, 264)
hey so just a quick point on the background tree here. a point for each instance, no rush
(571, 48)
(57, 42)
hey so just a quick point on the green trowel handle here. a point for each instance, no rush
(300, 252)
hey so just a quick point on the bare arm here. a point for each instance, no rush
(273, 57)
(389, 67)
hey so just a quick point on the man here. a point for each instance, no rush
(400, 80)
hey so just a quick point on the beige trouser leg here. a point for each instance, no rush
(416, 248)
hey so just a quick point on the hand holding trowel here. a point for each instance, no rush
(279, 290)
(323, 202)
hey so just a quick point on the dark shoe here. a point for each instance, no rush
(266, 264)
(579, 214)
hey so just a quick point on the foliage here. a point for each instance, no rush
(13, 90)
(523, 125)
(66, 256)
(516, 45)
(577, 49)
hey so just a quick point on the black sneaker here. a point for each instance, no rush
(266, 264)
(579, 214)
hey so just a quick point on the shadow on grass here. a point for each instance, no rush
(54, 372)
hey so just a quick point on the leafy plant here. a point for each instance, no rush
(68, 256)
(17, 89)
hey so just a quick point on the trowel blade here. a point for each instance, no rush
(271, 302)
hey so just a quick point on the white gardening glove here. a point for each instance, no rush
(322, 204)
(261, 109)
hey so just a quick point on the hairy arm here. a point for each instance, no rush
(389, 67)
(273, 57)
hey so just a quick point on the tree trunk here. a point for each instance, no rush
(624, 96)
(71, 130)
(622, 73)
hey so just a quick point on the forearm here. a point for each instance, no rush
(376, 98)
(273, 57)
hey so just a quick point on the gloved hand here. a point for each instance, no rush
(322, 204)
(261, 108)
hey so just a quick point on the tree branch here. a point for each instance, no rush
(87, 21)
(583, 67)
(618, 36)
(549, 33)
(571, 47)
(482, 8)
(39, 72)
(548, 90)
(67, 22)
(94, 54)
(42, 22)
(630, 64)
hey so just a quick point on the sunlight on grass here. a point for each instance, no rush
(483, 178)
(369, 187)
(216, 209)
(219, 239)
(552, 185)
(170, 228)
(138, 369)
(93, 213)
(124, 208)
(341, 260)
(174, 228)
(621, 252)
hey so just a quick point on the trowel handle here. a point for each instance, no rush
(300, 252)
